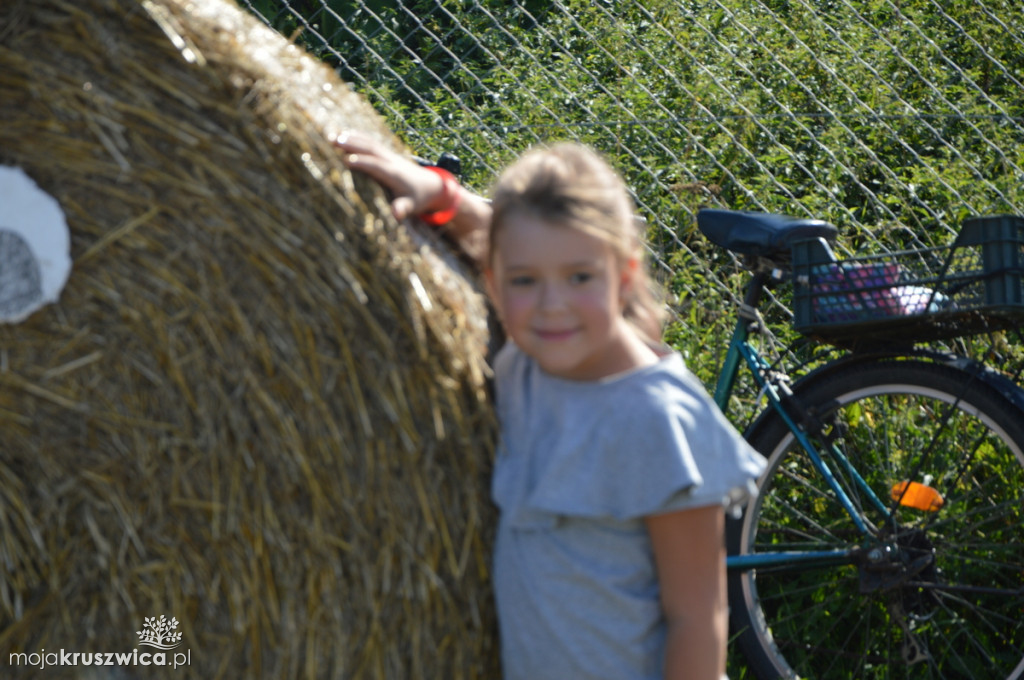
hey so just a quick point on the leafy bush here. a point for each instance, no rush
(892, 120)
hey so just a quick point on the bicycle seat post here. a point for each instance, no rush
(748, 318)
(764, 272)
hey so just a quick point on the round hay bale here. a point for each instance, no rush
(258, 407)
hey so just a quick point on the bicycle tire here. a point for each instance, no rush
(960, 616)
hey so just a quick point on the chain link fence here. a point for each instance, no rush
(893, 119)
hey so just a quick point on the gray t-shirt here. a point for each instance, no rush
(579, 467)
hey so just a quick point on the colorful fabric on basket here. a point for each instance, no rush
(845, 291)
(920, 299)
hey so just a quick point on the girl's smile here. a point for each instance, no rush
(554, 336)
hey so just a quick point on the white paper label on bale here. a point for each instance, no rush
(35, 246)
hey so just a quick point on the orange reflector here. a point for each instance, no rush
(915, 495)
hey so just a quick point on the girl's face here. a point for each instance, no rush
(559, 292)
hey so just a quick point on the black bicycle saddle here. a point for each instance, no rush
(754, 233)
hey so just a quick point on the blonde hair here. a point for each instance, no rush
(570, 184)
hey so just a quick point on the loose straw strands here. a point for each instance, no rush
(259, 405)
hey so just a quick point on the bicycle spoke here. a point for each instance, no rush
(946, 596)
(962, 632)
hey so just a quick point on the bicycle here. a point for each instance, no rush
(887, 539)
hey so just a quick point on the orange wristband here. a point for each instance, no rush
(451, 196)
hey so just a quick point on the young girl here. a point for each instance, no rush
(614, 465)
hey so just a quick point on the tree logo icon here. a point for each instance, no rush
(159, 633)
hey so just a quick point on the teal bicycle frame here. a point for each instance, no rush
(740, 352)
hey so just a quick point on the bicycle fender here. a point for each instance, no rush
(988, 375)
(1010, 390)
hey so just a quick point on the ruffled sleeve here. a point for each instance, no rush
(647, 443)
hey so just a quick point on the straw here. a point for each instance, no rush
(259, 405)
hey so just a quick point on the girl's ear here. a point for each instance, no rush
(630, 267)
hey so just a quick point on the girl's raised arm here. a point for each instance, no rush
(417, 191)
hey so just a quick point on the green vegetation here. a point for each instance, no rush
(893, 120)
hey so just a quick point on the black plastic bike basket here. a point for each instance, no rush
(972, 286)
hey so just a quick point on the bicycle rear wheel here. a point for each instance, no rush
(929, 593)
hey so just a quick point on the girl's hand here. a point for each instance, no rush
(415, 191)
